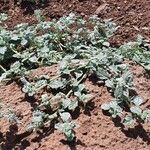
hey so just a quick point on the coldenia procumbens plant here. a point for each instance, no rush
(80, 49)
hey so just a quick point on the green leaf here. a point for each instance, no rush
(113, 108)
(3, 76)
(67, 129)
(146, 115)
(55, 84)
(3, 17)
(128, 120)
(118, 91)
(81, 87)
(33, 59)
(65, 116)
(109, 83)
(147, 67)
(3, 50)
(102, 74)
(136, 110)
(139, 39)
(38, 14)
(45, 101)
(53, 116)
(107, 44)
(70, 104)
(24, 42)
(85, 98)
(78, 74)
(15, 37)
(73, 105)
(66, 102)
(137, 100)
(105, 106)
(40, 84)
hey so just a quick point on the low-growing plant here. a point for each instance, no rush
(80, 48)
(124, 97)
(9, 114)
(30, 88)
(66, 126)
(138, 51)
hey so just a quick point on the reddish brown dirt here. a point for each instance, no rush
(132, 16)
(97, 131)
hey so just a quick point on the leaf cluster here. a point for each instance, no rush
(80, 48)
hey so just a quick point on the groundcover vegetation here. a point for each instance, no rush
(80, 49)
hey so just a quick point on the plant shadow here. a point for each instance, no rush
(73, 145)
(90, 106)
(44, 133)
(30, 6)
(12, 140)
(96, 81)
(135, 132)
(31, 100)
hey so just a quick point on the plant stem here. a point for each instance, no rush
(84, 76)
(3, 68)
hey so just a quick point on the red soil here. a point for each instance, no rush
(97, 131)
